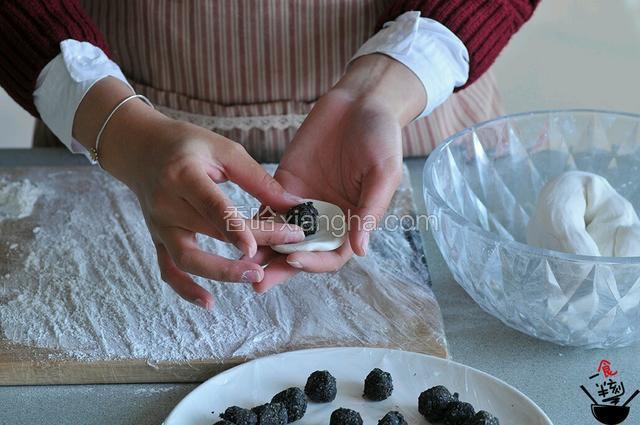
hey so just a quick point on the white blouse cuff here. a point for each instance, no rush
(64, 82)
(436, 55)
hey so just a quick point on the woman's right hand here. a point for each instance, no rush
(174, 169)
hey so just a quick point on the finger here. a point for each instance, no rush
(320, 262)
(188, 257)
(185, 216)
(250, 176)
(269, 232)
(177, 211)
(210, 202)
(262, 257)
(181, 282)
(378, 187)
(278, 271)
(265, 232)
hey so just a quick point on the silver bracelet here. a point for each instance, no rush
(94, 151)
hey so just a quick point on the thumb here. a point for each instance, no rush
(378, 187)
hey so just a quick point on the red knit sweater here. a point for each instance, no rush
(31, 31)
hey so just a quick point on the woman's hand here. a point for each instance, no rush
(174, 168)
(348, 152)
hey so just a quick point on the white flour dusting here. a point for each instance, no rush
(17, 199)
(155, 389)
(82, 280)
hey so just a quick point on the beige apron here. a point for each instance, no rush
(252, 69)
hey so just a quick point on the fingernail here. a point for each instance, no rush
(293, 198)
(364, 243)
(297, 236)
(295, 264)
(201, 303)
(252, 276)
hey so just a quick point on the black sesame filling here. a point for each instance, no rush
(305, 216)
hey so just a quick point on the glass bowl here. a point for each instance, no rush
(481, 185)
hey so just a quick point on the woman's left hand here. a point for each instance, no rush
(348, 152)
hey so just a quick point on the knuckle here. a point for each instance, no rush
(182, 260)
(270, 184)
(268, 238)
(237, 149)
(176, 170)
(213, 206)
(271, 238)
(226, 272)
(335, 267)
(231, 272)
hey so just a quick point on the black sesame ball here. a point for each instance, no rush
(239, 416)
(392, 418)
(433, 403)
(224, 422)
(344, 416)
(305, 216)
(261, 408)
(271, 414)
(483, 418)
(378, 385)
(321, 387)
(294, 401)
(458, 413)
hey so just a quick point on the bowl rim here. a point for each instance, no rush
(430, 189)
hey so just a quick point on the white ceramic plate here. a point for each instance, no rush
(256, 382)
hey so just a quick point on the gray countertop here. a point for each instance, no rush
(548, 374)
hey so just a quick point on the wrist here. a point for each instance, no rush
(128, 141)
(123, 140)
(377, 79)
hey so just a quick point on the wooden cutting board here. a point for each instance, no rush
(412, 323)
(22, 365)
